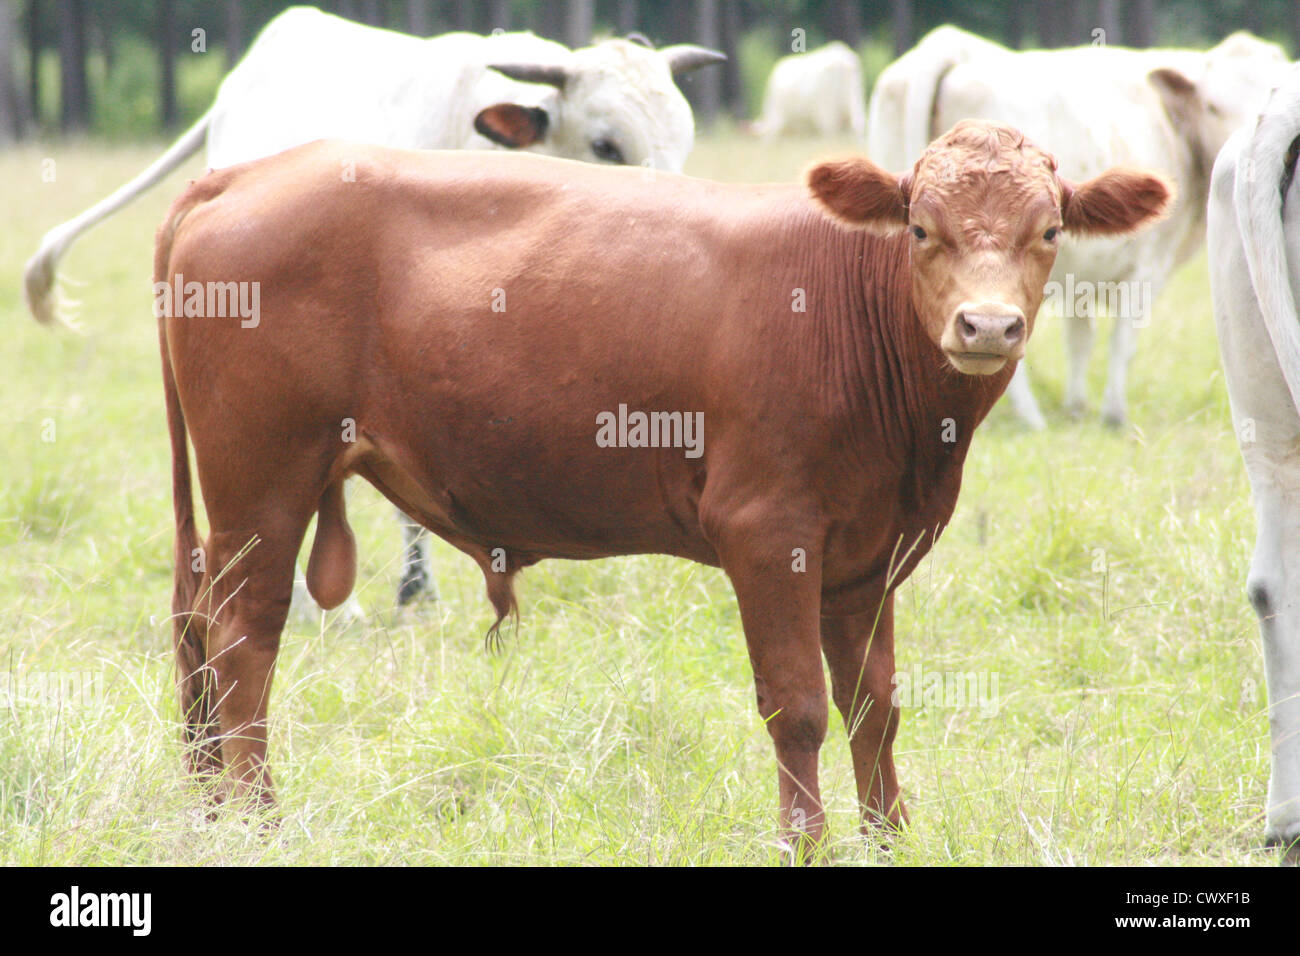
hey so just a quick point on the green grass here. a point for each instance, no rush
(1098, 577)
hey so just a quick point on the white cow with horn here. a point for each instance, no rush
(310, 75)
(1254, 243)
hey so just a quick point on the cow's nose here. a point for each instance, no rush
(995, 332)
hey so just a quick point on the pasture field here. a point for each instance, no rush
(1091, 582)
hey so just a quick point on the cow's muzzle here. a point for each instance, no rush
(983, 337)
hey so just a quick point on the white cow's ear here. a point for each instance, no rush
(1180, 98)
(859, 193)
(512, 125)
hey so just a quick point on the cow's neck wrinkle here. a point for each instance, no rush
(889, 388)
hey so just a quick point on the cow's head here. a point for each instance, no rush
(614, 102)
(1209, 96)
(984, 210)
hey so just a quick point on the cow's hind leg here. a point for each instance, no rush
(860, 653)
(251, 560)
(1274, 589)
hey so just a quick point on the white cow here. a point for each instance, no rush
(820, 90)
(1254, 244)
(310, 75)
(1099, 106)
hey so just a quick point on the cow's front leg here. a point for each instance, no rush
(1078, 349)
(776, 572)
(1123, 346)
(860, 653)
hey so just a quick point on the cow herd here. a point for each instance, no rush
(455, 327)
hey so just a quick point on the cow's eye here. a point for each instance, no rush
(918, 232)
(1051, 234)
(606, 150)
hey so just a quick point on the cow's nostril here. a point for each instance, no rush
(1015, 330)
(964, 326)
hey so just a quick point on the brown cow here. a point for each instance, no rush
(471, 332)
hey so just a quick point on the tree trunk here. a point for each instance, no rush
(34, 62)
(627, 17)
(166, 10)
(844, 22)
(551, 20)
(903, 28)
(419, 18)
(1108, 19)
(234, 32)
(12, 119)
(1015, 32)
(1082, 20)
(733, 90)
(707, 83)
(498, 15)
(579, 22)
(74, 95)
(1140, 28)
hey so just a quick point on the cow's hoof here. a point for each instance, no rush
(414, 583)
(1290, 847)
(1034, 420)
(1076, 411)
(1114, 420)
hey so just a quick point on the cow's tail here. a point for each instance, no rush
(42, 269)
(1263, 174)
(904, 101)
(189, 622)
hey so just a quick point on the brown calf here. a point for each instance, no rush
(470, 332)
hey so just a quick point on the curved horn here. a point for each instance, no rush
(684, 57)
(548, 73)
(640, 39)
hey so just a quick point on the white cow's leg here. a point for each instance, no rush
(1123, 344)
(1078, 349)
(1022, 400)
(415, 563)
(1274, 589)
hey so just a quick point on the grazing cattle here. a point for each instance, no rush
(1099, 106)
(310, 75)
(1254, 240)
(540, 359)
(820, 91)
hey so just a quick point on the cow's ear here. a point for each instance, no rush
(512, 125)
(1180, 98)
(1118, 201)
(859, 193)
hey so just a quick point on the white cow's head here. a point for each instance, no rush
(614, 102)
(1228, 89)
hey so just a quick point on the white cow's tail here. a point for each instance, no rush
(905, 97)
(39, 276)
(1267, 162)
